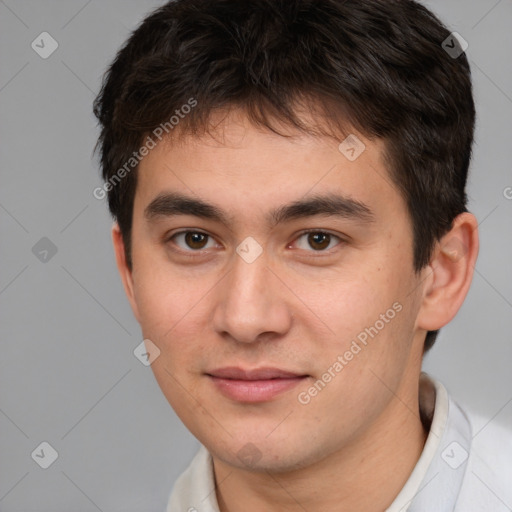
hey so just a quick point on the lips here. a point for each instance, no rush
(257, 385)
(256, 374)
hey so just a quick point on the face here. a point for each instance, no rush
(284, 304)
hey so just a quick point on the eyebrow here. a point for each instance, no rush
(169, 204)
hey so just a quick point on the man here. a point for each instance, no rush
(287, 179)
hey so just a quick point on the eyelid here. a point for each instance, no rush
(323, 231)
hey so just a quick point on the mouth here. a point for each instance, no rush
(252, 386)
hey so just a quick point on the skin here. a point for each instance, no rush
(353, 446)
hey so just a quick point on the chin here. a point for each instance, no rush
(261, 454)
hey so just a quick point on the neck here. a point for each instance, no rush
(364, 476)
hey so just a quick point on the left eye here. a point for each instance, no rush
(318, 240)
(193, 240)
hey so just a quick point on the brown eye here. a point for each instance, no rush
(196, 240)
(319, 241)
(191, 241)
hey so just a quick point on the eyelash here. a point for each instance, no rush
(199, 253)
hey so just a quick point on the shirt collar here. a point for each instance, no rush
(436, 480)
(434, 483)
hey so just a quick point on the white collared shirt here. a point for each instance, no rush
(459, 470)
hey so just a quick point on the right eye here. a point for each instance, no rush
(195, 240)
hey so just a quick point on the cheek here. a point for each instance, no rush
(173, 314)
(339, 305)
(361, 369)
(368, 316)
(154, 300)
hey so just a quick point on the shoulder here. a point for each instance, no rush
(488, 479)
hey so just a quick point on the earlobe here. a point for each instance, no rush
(451, 269)
(125, 273)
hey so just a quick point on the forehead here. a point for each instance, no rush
(243, 168)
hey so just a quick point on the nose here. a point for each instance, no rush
(251, 303)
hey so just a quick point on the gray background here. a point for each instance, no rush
(68, 375)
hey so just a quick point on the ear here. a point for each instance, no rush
(449, 274)
(125, 273)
